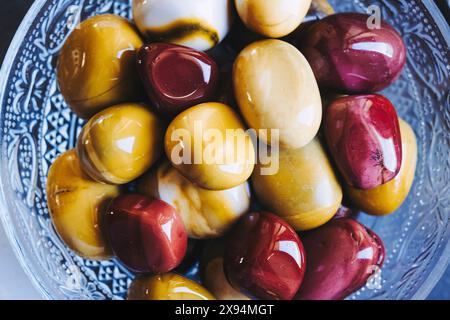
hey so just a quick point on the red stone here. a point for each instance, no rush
(176, 77)
(348, 56)
(342, 255)
(265, 258)
(146, 235)
(363, 135)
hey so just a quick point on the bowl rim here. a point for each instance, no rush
(5, 71)
(422, 293)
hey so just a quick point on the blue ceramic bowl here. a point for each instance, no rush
(37, 126)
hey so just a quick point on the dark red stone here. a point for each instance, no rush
(265, 258)
(348, 56)
(176, 77)
(342, 255)
(146, 235)
(363, 135)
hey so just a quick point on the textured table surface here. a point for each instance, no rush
(14, 284)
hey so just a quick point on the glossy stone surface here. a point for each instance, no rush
(146, 235)
(212, 272)
(197, 24)
(120, 143)
(342, 255)
(177, 77)
(169, 286)
(205, 213)
(274, 19)
(76, 204)
(348, 56)
(363, 135)
(264, 257)
(198, 146)
(96, 66)
(276, 90)
(304, 191)
(388, 197)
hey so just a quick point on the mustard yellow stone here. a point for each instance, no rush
(322, 6)
(305, 191)
(120, 143)
(205, 213)
(388, 197)
(276, 89)
(208, 144)
(168, 286)
(273, 19)
(76, 203)
(97, 65)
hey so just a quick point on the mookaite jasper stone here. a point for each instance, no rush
(177, 77)
(147, 235)
(168, 286)
(342, 255)
(97, 65)
(265, 258)
(388, 197)
(348, 56)
(198, 143)
(304, 191)
(276, 92)
(363, 135)
(270, 18)
(192, 23)
(76, 204)
(120, 143)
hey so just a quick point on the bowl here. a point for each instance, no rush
(36, 126)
